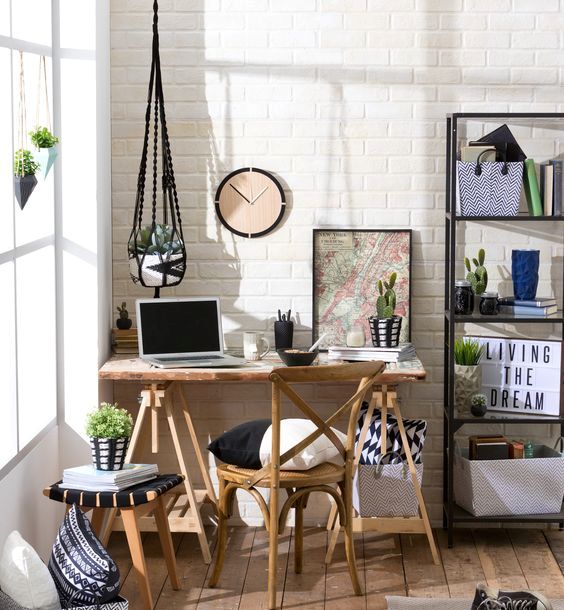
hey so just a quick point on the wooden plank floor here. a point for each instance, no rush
(388, 565)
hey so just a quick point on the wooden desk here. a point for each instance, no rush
(160, 387)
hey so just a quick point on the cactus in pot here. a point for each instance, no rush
(386, 301)
(479, 277)
(123, 322)
(385, 327)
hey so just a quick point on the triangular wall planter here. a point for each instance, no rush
(23, 187)
(46, 157)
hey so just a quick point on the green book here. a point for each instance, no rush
(532, 191)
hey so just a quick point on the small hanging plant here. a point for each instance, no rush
(45, 142)
(25, 167)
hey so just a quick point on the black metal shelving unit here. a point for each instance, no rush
(452, 513)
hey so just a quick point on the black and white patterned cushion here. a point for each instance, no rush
(82, 569)
(372, 449)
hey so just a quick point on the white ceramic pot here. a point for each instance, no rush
(467, 382)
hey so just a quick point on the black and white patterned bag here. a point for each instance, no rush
(489, 188)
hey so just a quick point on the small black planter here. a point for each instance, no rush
(23, 187)
(124, 323)
(108, 453)
(385, 331)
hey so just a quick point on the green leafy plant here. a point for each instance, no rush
(467, 352)
(43, 138)
(159, 241)
(123, 313)
(109, 421)
(386, 301)
(479, 277)
(24, 163)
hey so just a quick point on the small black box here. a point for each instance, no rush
(492, 451)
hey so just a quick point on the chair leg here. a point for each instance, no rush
(224, 512)
(133, 534)
(349, 540)
(166, 542)
(299, 535)
(272, 555)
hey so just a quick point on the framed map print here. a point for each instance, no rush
(347, 264)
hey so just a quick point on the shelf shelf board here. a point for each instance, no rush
(519, 218)
(506, 318)
(461, 515)
(501, 417)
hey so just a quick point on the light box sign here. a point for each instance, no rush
(521, 376)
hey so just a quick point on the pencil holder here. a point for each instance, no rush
(283, 334)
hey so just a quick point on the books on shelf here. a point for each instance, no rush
(542, 306)
(545, 195)
(538, 302)
(401, 353)
(125, 341)
(89, 479)
(532, 191)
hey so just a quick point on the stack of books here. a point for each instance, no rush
(545, 194)
(404, 351)
(497, 447)
(542, 306)
(88, 478)
(124, 341)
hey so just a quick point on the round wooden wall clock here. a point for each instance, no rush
(250, 202)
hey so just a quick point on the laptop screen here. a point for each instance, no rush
(179, 326)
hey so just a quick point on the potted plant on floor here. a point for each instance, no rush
(156, 255)
(385, 327)
(124, 322)
(25, 181)
(45, 142)
(467, 372)
(109, 429)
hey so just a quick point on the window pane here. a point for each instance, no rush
(78, 132)
(8, 419)
(31, 20)
(81, 349)
(37, 374)
(6, 179)
(78, 24)
(36, 220)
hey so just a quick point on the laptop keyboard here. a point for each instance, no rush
(190, 358)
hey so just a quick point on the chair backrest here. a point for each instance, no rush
(282, 381)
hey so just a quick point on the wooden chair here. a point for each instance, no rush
(299, 484)
(133, 503)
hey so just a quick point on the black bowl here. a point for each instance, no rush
(296, 358)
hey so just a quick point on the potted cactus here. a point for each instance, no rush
(385, 327)
(109, 429)
(124, 322)
(45, 142)
(479, 277)
(25, 181)
(467, 373)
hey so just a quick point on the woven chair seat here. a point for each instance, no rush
(325, 473)
(132, 496)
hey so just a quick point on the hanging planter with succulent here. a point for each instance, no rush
(44, 141)
(156, 252)
(25, 181)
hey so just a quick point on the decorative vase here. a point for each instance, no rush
(467, 382)
(46, 157)
(525, 273)
(23, 187)
(108, 453)
(385, 331)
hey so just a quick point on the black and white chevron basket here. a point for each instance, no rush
(489, 188)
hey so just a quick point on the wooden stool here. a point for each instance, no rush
(133, 502)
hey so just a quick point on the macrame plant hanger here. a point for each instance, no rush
(45, 156)
(24, 182)
(157, 255)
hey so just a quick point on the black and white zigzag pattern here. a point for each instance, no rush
(82, 569)
(491, 193)
(371, 451)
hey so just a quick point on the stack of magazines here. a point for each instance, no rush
(404, 351)
(88, 478)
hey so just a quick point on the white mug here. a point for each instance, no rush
(252, 343)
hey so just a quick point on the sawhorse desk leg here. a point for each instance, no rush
(182, 518)
(386, 400)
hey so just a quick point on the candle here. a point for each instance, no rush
(355, 337)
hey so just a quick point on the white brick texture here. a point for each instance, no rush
(345, 100)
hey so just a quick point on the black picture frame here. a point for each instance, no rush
(346, 266)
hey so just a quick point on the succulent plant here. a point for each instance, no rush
(479, 277)
(43, 138)
(478, 400)
(24, 163)
(158, 241)
(386, 301)
(123, 313)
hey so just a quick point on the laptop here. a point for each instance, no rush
(182, 332)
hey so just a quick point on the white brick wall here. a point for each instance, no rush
(344, 100)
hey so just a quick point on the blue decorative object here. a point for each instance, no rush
(525, 272)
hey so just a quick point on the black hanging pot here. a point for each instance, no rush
(385, 331)
(23, 187)
(156, 252)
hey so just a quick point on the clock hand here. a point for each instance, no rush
(238, 191)
(253, 200)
